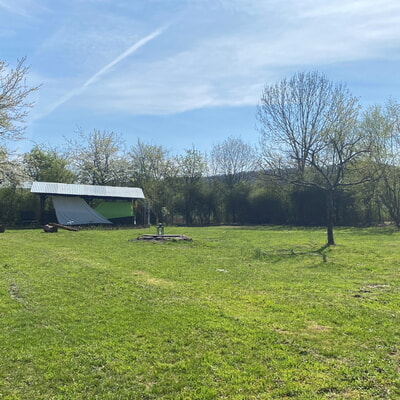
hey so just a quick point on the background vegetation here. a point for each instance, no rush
(183, 189)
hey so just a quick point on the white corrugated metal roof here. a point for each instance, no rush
(68, 189)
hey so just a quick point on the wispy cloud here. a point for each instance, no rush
(220, 53)
(229, 66)
(124, 55)
(95, 77)
(24, 8)
(12, 7)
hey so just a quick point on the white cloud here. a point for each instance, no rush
(222, 55)
(24, 8)
(355, 8)
(12, 7)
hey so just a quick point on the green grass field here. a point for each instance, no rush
(238, 313)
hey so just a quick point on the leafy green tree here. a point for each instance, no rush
(310, 136)
(269, 204)
(152, 168)
(47, 165)
(191, 171)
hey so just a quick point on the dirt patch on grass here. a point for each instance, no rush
(153, 281)
(313, 327)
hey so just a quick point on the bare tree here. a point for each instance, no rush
(310, 136)
(14, 104)
(232, 161)
(149, 163)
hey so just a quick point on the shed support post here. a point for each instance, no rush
(41, 213)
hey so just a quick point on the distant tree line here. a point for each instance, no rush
(226, 186)
(321, 160)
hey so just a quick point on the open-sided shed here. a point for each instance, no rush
(71, 200)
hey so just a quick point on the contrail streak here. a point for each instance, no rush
(136, 46)
(125, 54)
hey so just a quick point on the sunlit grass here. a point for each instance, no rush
(238, 313)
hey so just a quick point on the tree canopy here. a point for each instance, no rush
(14, 102)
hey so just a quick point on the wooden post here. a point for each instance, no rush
(41, 212)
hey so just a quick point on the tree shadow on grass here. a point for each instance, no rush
(279, 254)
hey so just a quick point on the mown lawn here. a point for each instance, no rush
(238, 313)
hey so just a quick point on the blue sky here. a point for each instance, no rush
(189, 73)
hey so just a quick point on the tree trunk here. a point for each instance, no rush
(330, 217)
